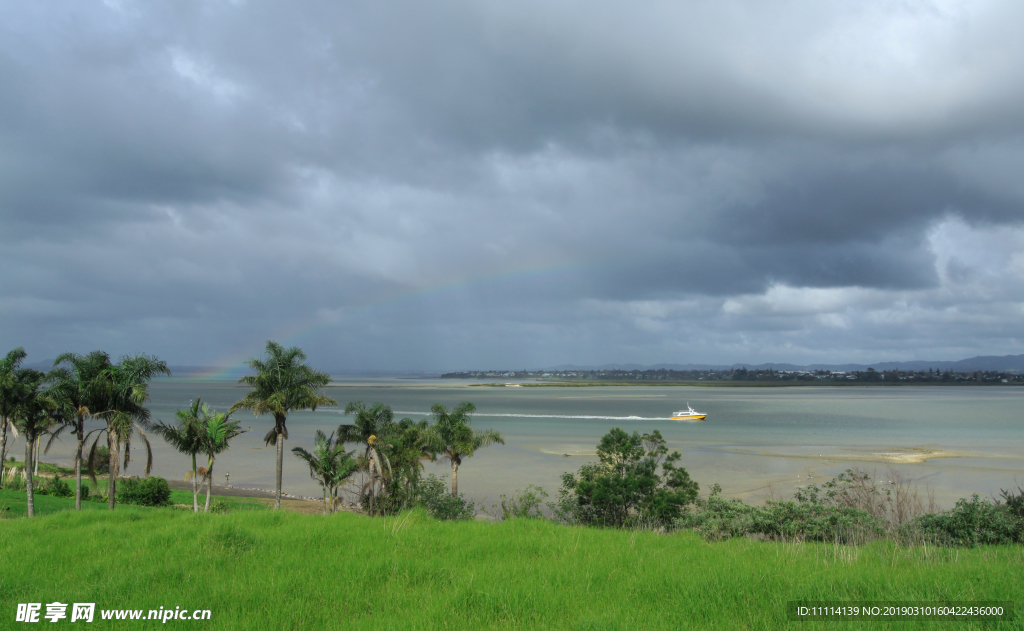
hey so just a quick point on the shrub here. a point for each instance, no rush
(719, 518)
(55, 487)
(441, 504)
(896, 501)
(971, 522)
(101, 460)
(523, 503)
(626, 488)
(144, 492)
(13, 480)
(1014, 501)
(795, 521)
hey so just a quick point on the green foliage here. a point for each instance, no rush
(371, 428)
(266, 570)
(440, 504)
(406, 447)
(283, 383)
(1014, 501)
(392, 455)
(971, 522)
(329, 464)
(452, 437)
(523, 503)
(625, 488)
(717, 518)
(55, 487)
(13, 480)
(151, 491)
(101, 460)
(796, 521)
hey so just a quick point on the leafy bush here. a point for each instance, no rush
(13, 480)
(896, 500)
(523, 503)
(625, 488)
(101, 460)
(55, 487)
(441, 504)
(817, 522)
(1014, 501)
(719, 518)
(971, 522)
(144, 492)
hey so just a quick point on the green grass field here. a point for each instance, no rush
(12, 503)
(279, 570)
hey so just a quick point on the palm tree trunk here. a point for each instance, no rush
(112, 485)
(78, 468)
(35, 456)
(325, 499)
(209, 481)
(195, 489)
(28, 477)
(3, 445)
(280, 464)
(373, 480)
(455, 479)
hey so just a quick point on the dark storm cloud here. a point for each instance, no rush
(426, 185)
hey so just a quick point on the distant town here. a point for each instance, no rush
(754, 375)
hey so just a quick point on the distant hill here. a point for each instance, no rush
(1005, 363)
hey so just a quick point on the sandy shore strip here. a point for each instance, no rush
(893, 455)
(298, 504)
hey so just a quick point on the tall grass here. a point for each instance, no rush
(273, 570)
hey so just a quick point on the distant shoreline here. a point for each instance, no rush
(741, 384)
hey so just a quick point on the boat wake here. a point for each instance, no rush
(577, 416)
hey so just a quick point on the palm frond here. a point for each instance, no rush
(54, 435)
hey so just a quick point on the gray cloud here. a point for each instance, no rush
(467, 184)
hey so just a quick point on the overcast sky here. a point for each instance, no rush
(462, 184)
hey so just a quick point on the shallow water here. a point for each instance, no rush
(755, 440)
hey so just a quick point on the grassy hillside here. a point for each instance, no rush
(12, 503)
(275, 570)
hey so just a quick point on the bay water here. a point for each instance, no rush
(755, 442)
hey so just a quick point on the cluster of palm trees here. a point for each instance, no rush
(392, 452)
(78, 388)
(200, 430)
(84, 387)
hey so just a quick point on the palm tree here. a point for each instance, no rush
(454, 439)
(282, 383)
(216, 431)
(13, 388)
(124, 390)
(76, 390)
(186, 438)
(329, 464)
(370, 428)
(411, 444)
(33, 416)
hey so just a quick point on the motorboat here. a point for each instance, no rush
(689, 414)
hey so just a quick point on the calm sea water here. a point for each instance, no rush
(755, 440)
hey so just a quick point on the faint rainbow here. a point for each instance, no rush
(233, 366)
